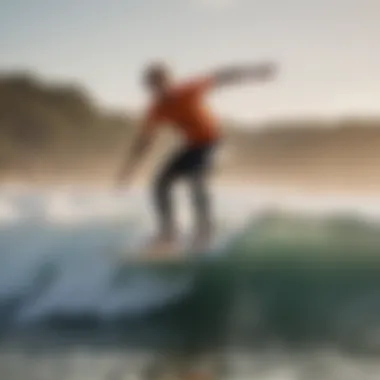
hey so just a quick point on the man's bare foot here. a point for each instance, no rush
(201, 241)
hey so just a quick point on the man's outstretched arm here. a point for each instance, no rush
(258, 72)
(139, 148)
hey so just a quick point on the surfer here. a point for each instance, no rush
(183, 106)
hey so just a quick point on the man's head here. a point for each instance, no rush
(157, 78)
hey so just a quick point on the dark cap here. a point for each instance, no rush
(155, 72)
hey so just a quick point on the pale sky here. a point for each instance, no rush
(328, 50)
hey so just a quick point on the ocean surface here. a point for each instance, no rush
(291, 290)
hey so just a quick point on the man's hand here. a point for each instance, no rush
(263, 71)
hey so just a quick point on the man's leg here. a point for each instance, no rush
(164, 206)
(198, 176)
(202, 206)
(163, 187)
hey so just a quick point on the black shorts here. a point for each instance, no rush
(188, 162)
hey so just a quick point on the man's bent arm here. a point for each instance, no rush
(256, 72)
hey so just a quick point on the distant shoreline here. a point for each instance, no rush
(231, 182)
(58, 136)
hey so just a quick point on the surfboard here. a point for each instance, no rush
(184, 249)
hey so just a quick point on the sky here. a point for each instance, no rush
(328, 51)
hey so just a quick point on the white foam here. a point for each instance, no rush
(9, 212)
(74, 292)
(70, 208)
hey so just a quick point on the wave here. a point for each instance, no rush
(60, 264)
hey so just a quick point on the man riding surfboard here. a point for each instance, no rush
(183, 106)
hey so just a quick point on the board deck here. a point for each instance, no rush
(183, 251)
(178, 252)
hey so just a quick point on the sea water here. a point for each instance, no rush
(294, 294)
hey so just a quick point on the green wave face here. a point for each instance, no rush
(299, 281)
